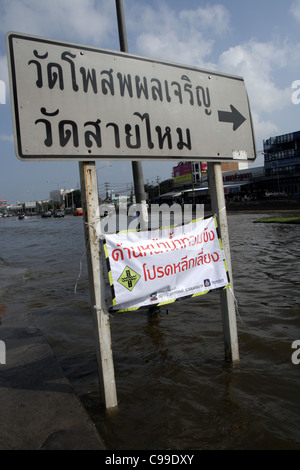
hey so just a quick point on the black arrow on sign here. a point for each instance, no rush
(233, 116)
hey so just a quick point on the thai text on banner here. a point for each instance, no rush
(160, 266)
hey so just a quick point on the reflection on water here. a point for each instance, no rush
(174, 389)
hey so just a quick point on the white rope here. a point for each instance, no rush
(80, 271)
(217, 213)
(236, 304)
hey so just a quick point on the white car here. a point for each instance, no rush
(275, 195)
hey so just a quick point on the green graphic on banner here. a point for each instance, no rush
(129, 278)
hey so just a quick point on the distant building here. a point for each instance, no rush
(282, 163)
(279, 177)
(3, 206)
(187, 173)
(182, 174)
(199, 171)
(15, 208)
(55, 195)
(30, 206)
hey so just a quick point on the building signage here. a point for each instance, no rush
(183, 173)
(73, 102)
(157, 267)
(30, 205)
(243, 175)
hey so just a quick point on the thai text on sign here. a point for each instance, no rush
(160, 266)
(72, 102)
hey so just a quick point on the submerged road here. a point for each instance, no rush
(38, 408)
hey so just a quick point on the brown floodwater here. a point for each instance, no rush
(175, 390)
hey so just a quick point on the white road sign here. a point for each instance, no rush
(74, 102)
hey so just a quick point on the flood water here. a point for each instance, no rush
(175, 390)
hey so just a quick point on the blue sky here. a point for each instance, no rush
(258, 40)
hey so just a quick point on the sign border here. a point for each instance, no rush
(10, 36)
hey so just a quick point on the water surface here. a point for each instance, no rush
(175, 391)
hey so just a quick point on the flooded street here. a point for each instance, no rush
(175, 390)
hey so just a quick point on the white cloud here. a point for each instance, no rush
(263, 129)
(3, 69)
(189, 38)
(161, 33)
(4, 78)
(82, 21)
(169, 46)
(295, 10)
(258, 63)
(214, 18)
(86, 20)
(7, 138)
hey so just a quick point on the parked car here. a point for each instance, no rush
(274, 195)
(46, 214)
(78, 211)
(59, 213)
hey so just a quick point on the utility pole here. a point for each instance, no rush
(106, 190)
(137, 169)
(158, 180)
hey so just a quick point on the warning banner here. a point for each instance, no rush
(161, 266)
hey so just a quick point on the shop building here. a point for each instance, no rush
(282, 164)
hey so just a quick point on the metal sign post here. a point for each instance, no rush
(137, 169)
(89, 195)
(227, 296)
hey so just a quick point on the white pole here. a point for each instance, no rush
(89, 195)
(227, 295)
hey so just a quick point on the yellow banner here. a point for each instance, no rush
(183, 178)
